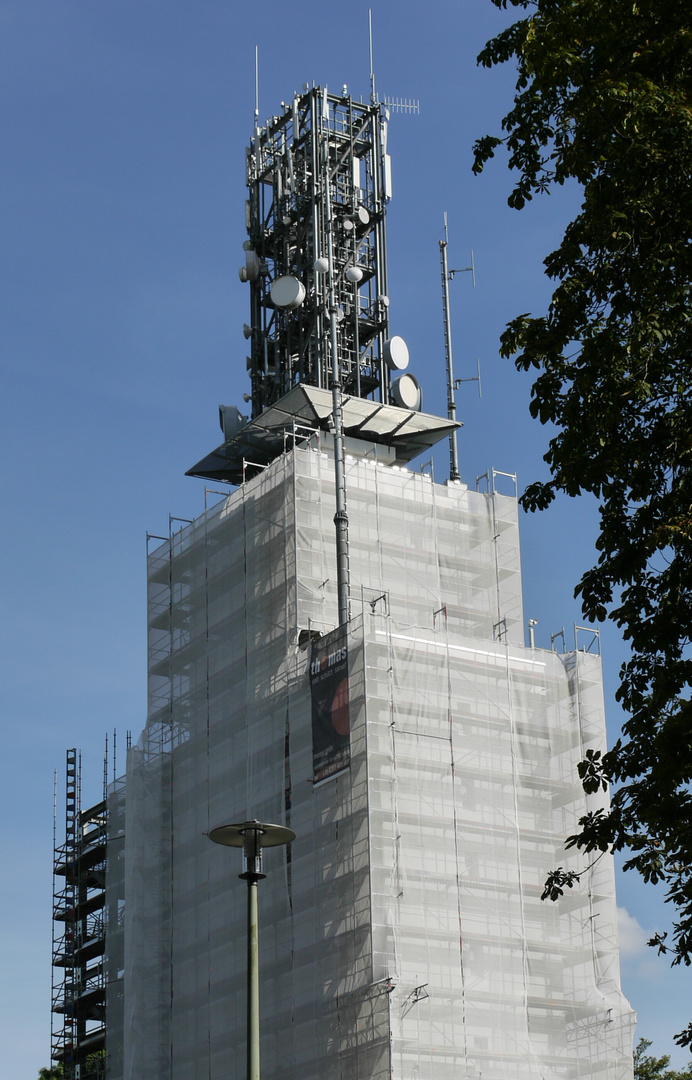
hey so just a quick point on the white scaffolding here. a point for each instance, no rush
(402, 933)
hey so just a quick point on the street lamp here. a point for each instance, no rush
(252, 836)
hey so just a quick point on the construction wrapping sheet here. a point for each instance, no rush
(402, 933)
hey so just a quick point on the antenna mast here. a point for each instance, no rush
(451, 404)
(256, 87)
(373, 95)
(341, 515)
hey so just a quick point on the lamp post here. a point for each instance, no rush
(252, 836)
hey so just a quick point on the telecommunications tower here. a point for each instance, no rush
(336, 645)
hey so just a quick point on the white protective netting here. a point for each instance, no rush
(402, 934)
(114, 959)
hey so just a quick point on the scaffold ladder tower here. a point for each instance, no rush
(78, 986)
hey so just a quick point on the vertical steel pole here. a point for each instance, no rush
(248, 835)
(341, 516)
(451, 404)
(253, 1030)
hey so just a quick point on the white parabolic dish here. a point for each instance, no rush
(406, 393)
(396, 353)
(287, 292)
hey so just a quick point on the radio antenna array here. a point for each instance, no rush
(402, 105)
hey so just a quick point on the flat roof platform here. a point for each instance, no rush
(263, 439)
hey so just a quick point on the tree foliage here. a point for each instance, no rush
(93, 1068)
(653, 1068)
(604, 98)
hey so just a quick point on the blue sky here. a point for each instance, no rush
(123, 132)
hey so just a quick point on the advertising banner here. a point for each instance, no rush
(331, 744)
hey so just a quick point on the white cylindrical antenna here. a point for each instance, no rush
(451, 404)
(373, 95)
(256, 86)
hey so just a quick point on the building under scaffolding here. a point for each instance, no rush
(430, 782)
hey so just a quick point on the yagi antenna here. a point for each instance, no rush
(402, 105)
